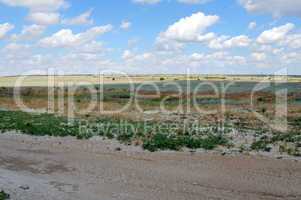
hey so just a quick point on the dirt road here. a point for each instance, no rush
(33, 168)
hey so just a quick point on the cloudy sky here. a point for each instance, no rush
(150, 36)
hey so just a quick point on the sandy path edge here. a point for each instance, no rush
(66, 168)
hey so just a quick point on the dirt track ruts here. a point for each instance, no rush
(66, 168)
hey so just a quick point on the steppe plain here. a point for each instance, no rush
(42, 157)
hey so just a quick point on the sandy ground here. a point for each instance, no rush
(35, 168)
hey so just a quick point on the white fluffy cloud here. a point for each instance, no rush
(259, 56)
(275, 35)
(293, 41)
(226, 42)
(44, 18)
(125, 25)
(69, 63)
(165, 62)
(91, 47)
(83, 19)
(291, 58)
(37, 5)
(252, 25)
(29, 32)
(4, 29)
(164, 44)
(219, 55)
(131, 57)
(15, 49)
(42, 12)
(275, 7)
(127, 54)
(146, 1)
(66, 38)
(191, 29)
(238, 41)
(218, 59)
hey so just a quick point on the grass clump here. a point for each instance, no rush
(161, 141)
(37, 124)
(260, 145)
(293, 137)
(4, 196)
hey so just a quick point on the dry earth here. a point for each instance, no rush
(42, 81)
(35, 168)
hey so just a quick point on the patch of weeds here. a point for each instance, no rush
(242, 148)
(209, 101)
(295, 123)
(264, 99)
(263, 110)
(169, 101)
(109, 135)
(116, 95)
(4, 196)
(158, 137)
(260, 99)
(293, 137)
(260, 145)
(125, 137)
(37, 124)
(290, 149)
(161, 141)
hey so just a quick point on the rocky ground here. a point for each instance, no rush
(34, 168)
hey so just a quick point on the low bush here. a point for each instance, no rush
(260, 145)
(174, 142)
(4, 196)
(37, 124)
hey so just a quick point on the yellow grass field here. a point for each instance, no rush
(42, 81)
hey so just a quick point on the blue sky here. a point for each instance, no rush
(150, 36)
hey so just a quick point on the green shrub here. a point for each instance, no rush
(37, 124)
(171, 142)
(125, 137)
(161, 142)
(259, 145)
(4, 196)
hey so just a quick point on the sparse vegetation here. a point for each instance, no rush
(260, 145)
(152, 138)
(37, 124)
(126, 132)
(174, 142)
(288, 143)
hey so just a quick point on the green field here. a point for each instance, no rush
(183, 126)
